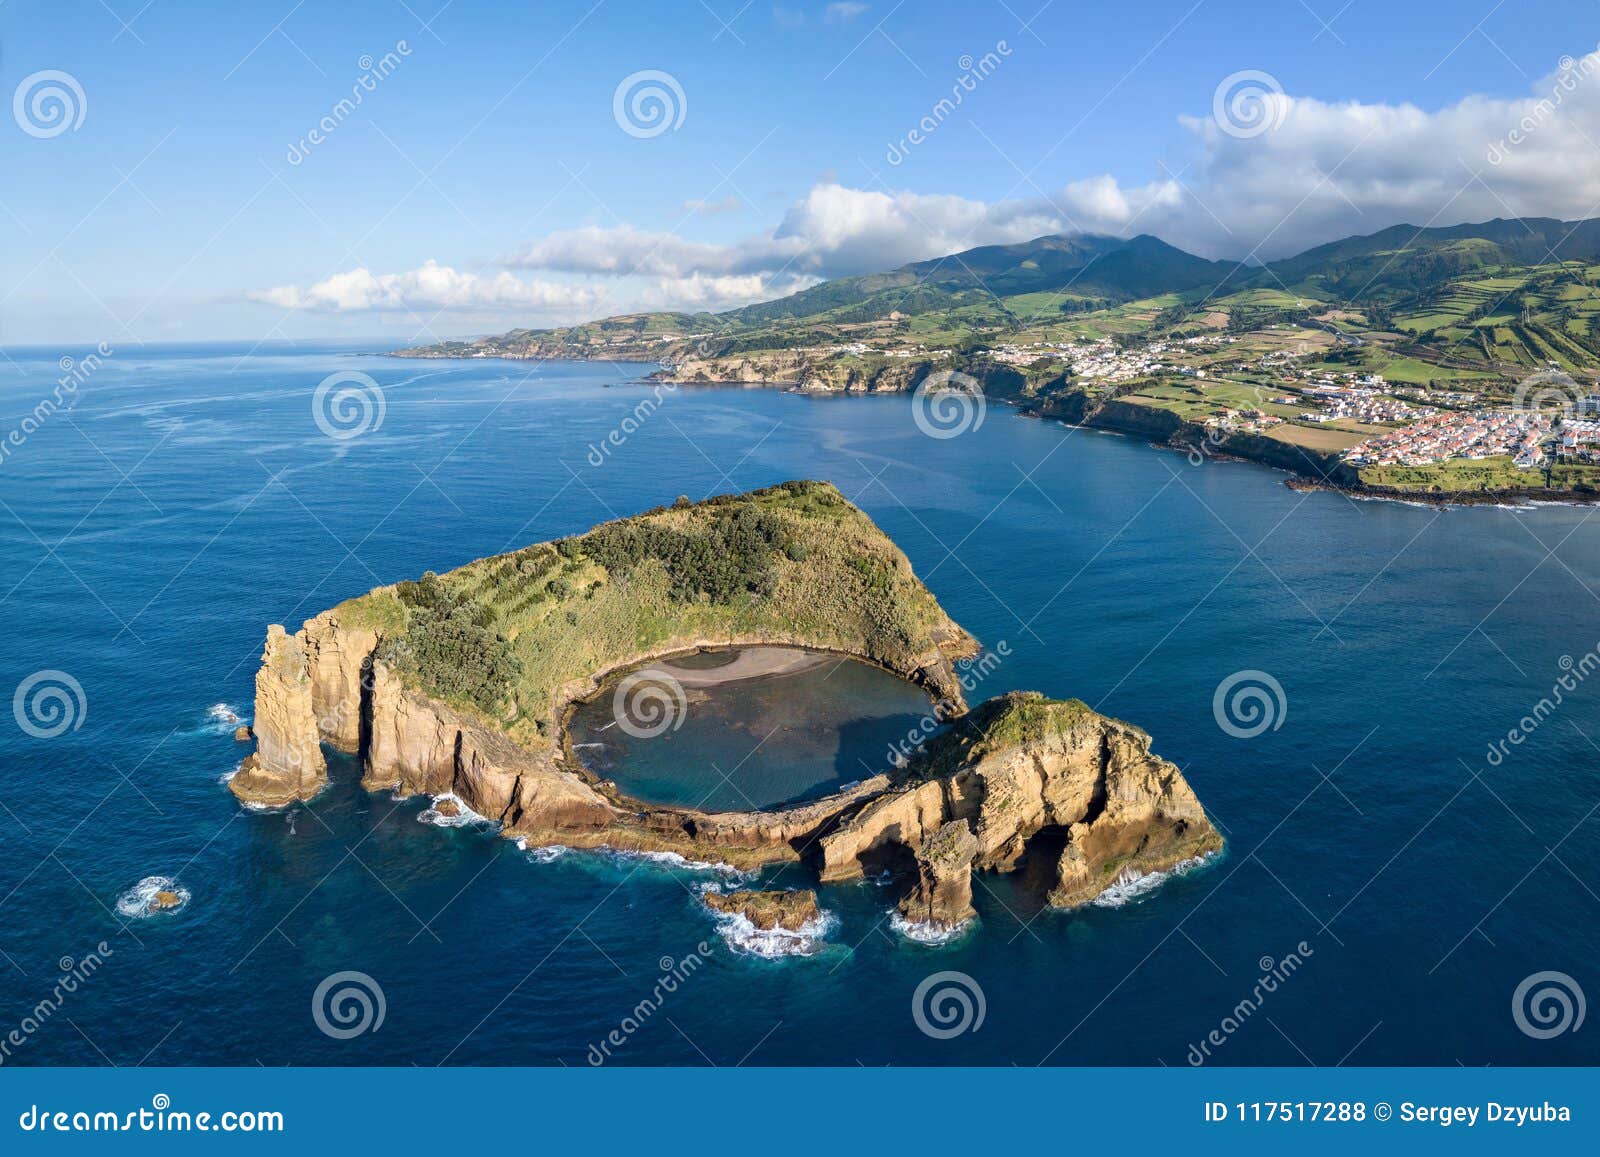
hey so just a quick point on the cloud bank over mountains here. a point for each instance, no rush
(1291, 173)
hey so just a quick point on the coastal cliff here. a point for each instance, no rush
(461, 682)
(1025, 777)
(482, 717)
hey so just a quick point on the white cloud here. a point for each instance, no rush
(430, 288)
(842, 13)
(1323, 170)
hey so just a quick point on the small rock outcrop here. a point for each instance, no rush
(942, 896)
(790, 911)
(243, 735)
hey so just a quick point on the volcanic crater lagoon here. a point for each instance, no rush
(189, 498)
(741, 729)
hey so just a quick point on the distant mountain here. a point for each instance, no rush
(985, 291)
(1408, 259)
(1083, 264)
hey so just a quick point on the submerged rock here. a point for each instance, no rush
(447, 807)
(165, 899)
(788, 910)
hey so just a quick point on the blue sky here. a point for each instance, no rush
(173, 211)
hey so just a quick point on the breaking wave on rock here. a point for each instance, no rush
(1131, 886)
(448, 811)
(932, 935)
(625, 857)
(742, 936)
(141, 900)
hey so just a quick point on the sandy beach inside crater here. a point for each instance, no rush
(749, 663)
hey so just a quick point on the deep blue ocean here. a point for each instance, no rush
(188, 498)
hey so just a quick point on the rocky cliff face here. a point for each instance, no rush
(287, 764)
(1027, 777)
(942, 895)
(1024, 780)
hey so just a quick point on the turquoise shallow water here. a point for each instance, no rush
(190, 498)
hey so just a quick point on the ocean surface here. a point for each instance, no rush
(1394, 878)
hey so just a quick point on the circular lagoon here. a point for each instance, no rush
(745, 728)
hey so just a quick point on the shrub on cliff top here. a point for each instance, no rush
(721, 558)
(449, 644)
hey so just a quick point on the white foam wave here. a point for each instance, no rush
(1131, 885)
(743, 936)
(930, 934)
(138, 901)
(620, 856)
(222, 717)
(465, 817)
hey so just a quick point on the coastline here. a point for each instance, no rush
(1160, 429)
